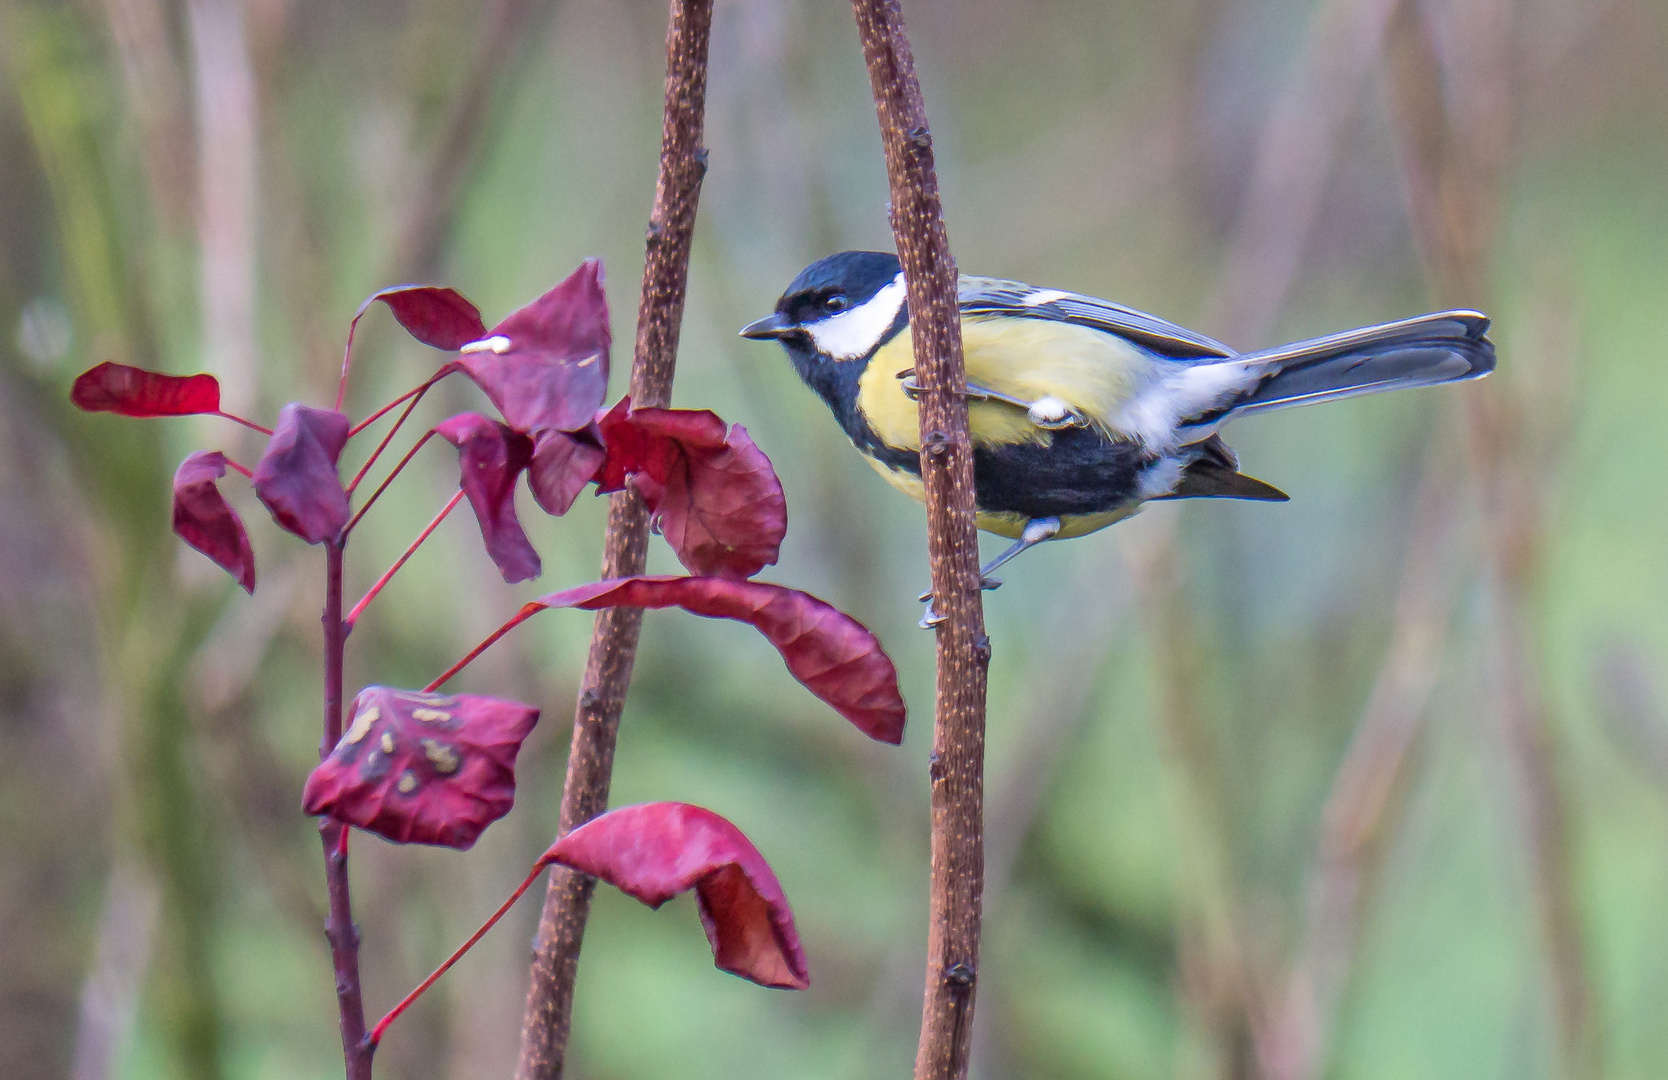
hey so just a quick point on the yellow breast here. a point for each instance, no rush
(1092, 372)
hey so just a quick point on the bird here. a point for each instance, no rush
(1080, 410)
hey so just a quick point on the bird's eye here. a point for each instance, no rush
(835, 304)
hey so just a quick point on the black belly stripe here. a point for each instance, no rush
(1083, 472)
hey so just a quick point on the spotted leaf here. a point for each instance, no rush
(714, 493)
(655, 851)
(422, 768)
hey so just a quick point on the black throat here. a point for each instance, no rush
(835, 381)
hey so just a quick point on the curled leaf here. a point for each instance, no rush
(438, 317)
(546, 365)
(835, 656)
(296, 478)
(563, 463)
(655, 851)
(491, 457)
(133, 391)
(205, 520)
(714, 493)
(422, 768)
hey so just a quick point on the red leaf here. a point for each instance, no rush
(491, 457)
(834, 655)
(546, 366)
(563, 464)
(655, 851)
(436, 316)
(296, 478)
(205, 520)
(133, 391)
(716, 496)
(422, 768)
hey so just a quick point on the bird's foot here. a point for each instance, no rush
(931, 618)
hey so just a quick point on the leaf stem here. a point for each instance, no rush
(236, 419)
(389, 479)
(375, 1037)
(387, 575)
(527, 611)
(416, 392)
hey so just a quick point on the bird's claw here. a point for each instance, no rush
(988, 584)
(930, 618)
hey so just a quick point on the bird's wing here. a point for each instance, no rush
(994, 296)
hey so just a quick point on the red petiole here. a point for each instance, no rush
(415, 392)
(389, 479)
(527, 612)
(236, 419)
(353, 616)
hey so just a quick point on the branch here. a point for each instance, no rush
(963, 650)
(567, 902)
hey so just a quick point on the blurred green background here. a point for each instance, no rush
(1373, 784)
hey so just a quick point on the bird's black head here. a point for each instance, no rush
(838, 308)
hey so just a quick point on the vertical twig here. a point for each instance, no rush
(1454, 159)
(567, 902)
(963, 650)
(339, 929)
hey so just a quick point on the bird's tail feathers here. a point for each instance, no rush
(1447, 346)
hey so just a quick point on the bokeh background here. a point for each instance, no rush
(1373, 784)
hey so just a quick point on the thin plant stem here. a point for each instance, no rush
(389, 479)
(527, 612)
(250, 424)
(415, 392)
(339, 928)
(388, 574)
(375, 1037)
(567, 903)
(242, 470)
(963, 651)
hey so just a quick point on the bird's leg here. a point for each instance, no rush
(1049, 413)
(1037, 530)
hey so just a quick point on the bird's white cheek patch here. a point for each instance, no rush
(856, 332)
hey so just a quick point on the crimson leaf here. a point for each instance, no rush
(563, 463)
(205, 520)
(491, 457)
(715, 495)
(296, 478)
(655, 851)
(133, 391)
(436, 316)
(546, 365)
(834, 655)
(422, 768)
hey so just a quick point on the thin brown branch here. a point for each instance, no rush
(963, 650)
(1453, 124)
(567, 902)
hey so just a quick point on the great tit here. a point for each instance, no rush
(1080, 410)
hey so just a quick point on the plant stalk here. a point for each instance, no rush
(567, 902)
(339, 928)
(963, 651)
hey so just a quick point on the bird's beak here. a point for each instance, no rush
(769, 328)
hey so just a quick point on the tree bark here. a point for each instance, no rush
(963, 651)
(567, 902)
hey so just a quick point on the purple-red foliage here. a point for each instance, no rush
(296, 478)
(491, 457)
(422, 768)
(563, 463)
(546, 365)
(714, 493)
(835, 656)
(133, 391)
(436, 316)
(655, 851)
(205, 520)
